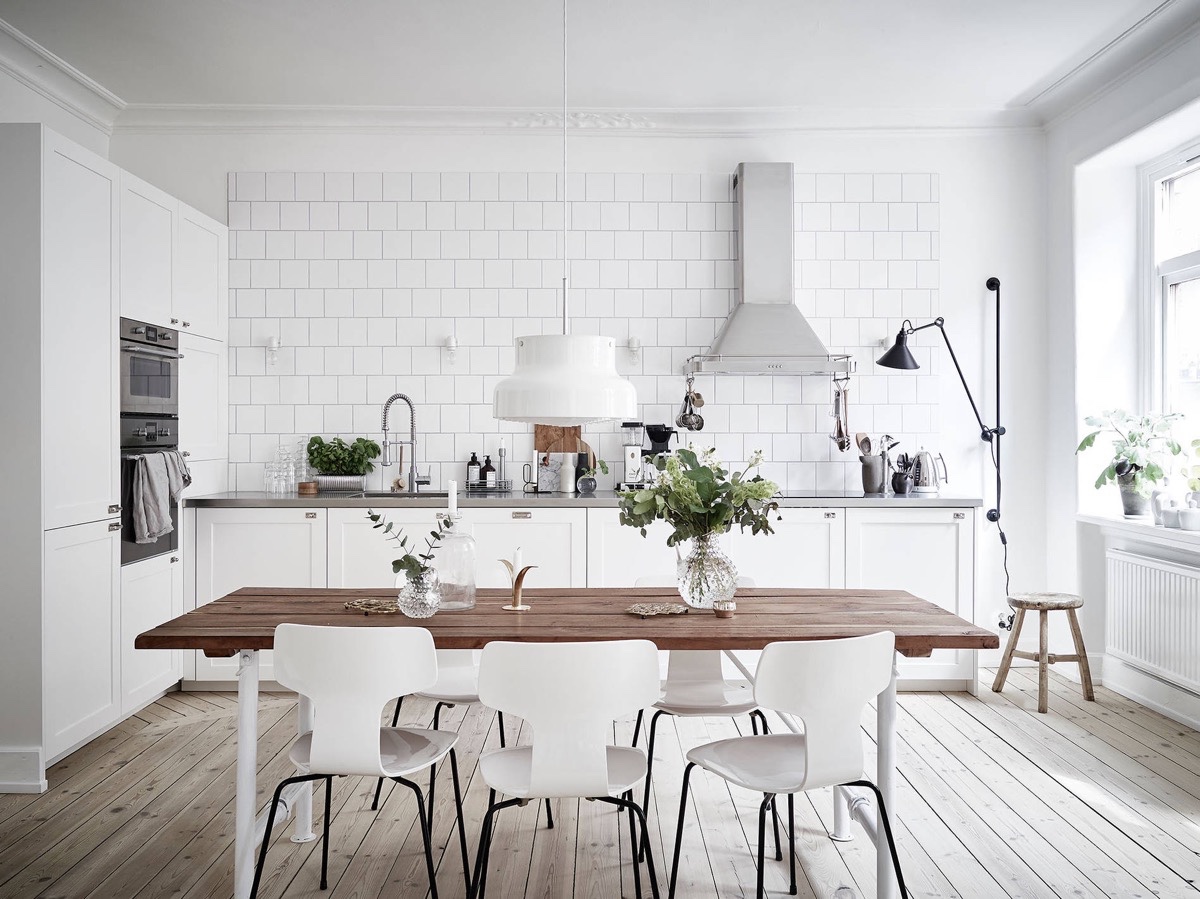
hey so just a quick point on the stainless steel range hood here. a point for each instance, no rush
(766, 334)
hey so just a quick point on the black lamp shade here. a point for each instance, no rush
(898, 356)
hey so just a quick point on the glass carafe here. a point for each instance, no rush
(455, 563)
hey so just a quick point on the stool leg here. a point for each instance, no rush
(1085, 670)
(1043, 662)
(1006, 662)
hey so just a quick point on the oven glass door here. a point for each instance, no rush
(131, 550)
(149, 381)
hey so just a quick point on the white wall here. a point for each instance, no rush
(21, 103)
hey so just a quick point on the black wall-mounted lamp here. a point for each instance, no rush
(899, 357)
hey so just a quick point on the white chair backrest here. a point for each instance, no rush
(827, 684)
(569, 693)
(350, 673)
(449, 659)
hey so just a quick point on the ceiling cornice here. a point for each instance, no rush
(748, 122)
(57, 80)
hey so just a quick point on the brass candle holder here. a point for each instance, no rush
(518, 579)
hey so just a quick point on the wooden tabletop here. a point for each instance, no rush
(247, 619)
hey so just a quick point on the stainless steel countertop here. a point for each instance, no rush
(602, 499)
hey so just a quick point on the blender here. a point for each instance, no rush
(631, 438)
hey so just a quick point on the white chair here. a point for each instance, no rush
(696, 687)
(457, 684)
(349, 674)
(826, 684)
(569, 693)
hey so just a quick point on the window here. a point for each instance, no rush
(1177, 239)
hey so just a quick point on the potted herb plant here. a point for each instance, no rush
(1140, 441)
(586, 485)
(701, 500)
(420, 594)
(341, 465)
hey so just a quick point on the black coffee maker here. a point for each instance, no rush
(660, 442)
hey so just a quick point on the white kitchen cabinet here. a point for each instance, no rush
(201, 270)
(360, 555)
(931, 554)
(272, 547)
(79, 336)
(203, 399)
(808, 549)
(617, 555)
(151, 593)
(81, 680)
(147, 250)
(555, 540)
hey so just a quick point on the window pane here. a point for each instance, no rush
(1183, 215)
(1182, 371)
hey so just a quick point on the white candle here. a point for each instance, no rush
(501, 443)
(452, 487)
(517, 560)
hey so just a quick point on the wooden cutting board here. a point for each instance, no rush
(555, 439)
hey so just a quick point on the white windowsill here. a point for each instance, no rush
(1146, 531)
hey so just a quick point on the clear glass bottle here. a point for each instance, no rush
(455, 563)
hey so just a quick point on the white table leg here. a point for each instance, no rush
(841, 816)
(885, 711)
(302, 831)
(247, 774)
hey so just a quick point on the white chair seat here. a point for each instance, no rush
(507, 771)
(402, 750)
(706, 697)
(765, 764)
(456, 685)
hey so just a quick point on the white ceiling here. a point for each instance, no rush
(948, 55)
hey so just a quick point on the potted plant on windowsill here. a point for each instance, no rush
(1141, 440)
(341, 465)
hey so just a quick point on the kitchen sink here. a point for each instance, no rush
(388, 494)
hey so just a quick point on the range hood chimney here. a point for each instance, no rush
(765, 333)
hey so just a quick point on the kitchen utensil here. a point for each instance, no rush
(841, 418)
(697, 399)
(863, 442)
(889, 442)
(925, 474)
(873, 473)
(901, 483)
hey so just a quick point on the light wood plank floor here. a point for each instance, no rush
(1094, 799)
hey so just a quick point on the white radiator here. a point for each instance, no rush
(1154, 616)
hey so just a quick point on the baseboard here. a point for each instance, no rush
(228, 686)
(1168, 699)
(22, 771)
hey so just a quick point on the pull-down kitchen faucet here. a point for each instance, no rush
(386, 459)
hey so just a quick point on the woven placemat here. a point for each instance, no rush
(649, 609)
(373, 604)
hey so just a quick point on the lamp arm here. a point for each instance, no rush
(985, 432)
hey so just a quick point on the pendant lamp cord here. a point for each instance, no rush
(565, 318)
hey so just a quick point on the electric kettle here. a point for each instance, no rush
(925, 473)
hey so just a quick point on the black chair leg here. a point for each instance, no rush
(753, 724)
(887, 830)
(637, 727)
(500, 726)
(762, 722)
(645, 837)
(379, 786)
(479, 879)
(792, 840)
(775, 825)
(649, 767)
(424, 834)
(633, 844)
(549, 815)
(325, 835)
(762, 839)
(687, 773)
(462, 830)
(266, 841)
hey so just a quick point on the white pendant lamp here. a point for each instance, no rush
(564, 379)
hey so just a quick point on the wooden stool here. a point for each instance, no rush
(1044, 603)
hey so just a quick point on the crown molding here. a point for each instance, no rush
(717, 122)
(1155, 35)
(56, 80)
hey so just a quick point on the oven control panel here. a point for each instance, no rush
(157, 433)
(143, 332)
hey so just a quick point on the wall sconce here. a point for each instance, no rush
(451, 347)
(273, 345)
(635, 348)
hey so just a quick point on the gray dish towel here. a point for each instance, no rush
(158, 479)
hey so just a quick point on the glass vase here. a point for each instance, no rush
(706, 575)
(455, 563)
(420, 596)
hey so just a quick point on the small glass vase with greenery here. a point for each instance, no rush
(701, 500)
(1140, 443)
(420, 595)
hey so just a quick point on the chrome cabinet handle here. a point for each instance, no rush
(959, 516)
(310, 514)
(115, 526)
(186, 454)
(831, 514)
(187, 324)
(174, 558)
(114, 508)
(174, 321)
(522, 515)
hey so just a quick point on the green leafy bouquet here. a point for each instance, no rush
(1139, 440)
(341, 458)
(413, 563)
(697, 497)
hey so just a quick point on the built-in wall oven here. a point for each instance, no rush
(149, 421)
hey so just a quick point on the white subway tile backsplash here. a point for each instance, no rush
(364, 275)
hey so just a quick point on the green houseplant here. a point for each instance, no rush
(341, 465)
(1140, 442)
(701, 500)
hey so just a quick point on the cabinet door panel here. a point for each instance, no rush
(929, 553)
(79, 320)
(619, 555)
(808, 549)
(80, 621)
(151, 593)
(555, 540)
(255, 548)
(146, 246)
(360, 555)
(203, 399)
(201, 275)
